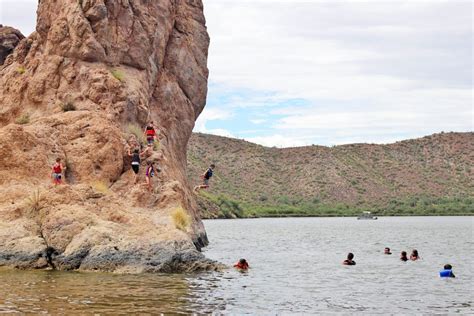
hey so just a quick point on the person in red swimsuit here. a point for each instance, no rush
(242, 264)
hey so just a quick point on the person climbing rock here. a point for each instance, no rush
(206, 177)
(150, 133)
(150, 173)
(242, 264)
(349, 261)
(57, 171)
(136, 160)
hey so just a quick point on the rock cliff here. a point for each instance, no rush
(92, 73)
(9, 39)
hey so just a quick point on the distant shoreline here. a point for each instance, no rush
(339, 216)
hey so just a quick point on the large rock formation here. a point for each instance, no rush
(9, 39)
(94, 71)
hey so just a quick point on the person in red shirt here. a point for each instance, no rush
(242, 264)
(150, 134)
(57, 171)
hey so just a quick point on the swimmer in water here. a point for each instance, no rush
(403, 256)
(387, 251)
(414, 255)
(242, 264)
(349, 261)
(447, 272)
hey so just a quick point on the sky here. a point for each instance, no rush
(328, 72)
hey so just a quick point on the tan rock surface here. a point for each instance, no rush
(114, 63)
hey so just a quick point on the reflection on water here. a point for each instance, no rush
(61, 292)
(295, 268)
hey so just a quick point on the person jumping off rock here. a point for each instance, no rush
(57, 171)
(136, 160)
(206, 177)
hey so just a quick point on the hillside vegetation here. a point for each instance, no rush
(433, 175)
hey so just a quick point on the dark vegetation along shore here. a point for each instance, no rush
(433, 175)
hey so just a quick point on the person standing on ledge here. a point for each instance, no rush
(349, 261)
(150, 134)
(206, 177)
(57, 172)
(136, 161)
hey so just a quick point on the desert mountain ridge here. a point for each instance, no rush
(430, 175)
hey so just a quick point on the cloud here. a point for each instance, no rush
(381, 69)
(20, 14)
(327, 72)
(278, 141)
(213, 114)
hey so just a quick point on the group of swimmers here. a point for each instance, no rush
(403, 256)
(414, 256)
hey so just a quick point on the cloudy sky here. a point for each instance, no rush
(291, 73)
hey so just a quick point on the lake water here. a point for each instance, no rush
(295, 268)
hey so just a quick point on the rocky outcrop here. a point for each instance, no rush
(9, 39)
(92, 73)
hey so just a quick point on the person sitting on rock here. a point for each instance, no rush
(57, 171)
(150, 173)
(349, 261)
(242, 264)
(150, 134)
(136, 160)
(206, 177)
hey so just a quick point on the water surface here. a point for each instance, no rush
(295, 268)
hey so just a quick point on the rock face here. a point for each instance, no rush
(9, 39)
(93, 72)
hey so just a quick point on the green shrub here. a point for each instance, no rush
(100, 187)
(21, 70)
(23, 119)
(35, 202)
(68, 106)
(181, 219)
(135, 130)
(118, 74)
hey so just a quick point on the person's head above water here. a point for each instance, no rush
(350, 256)
(242, 264)
(448, 267)
(387, 251)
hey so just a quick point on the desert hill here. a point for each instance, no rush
(430, 175)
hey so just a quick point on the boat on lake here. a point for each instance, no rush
(366, 215)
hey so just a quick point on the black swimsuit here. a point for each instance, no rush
(136, 163)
